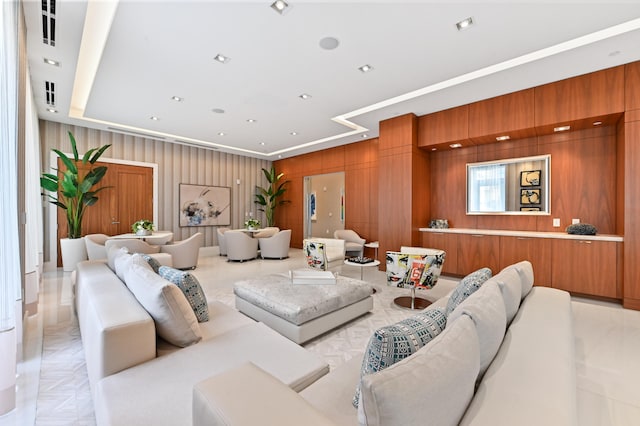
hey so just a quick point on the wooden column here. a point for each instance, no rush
(403, 185)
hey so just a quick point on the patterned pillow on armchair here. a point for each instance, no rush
(316, 255)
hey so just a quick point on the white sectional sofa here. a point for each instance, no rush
(137, 378)
(523, 335)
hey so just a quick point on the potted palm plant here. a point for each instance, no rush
(72, 190)
(268, 197)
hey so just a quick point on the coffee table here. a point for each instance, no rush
(362, 265)
(301, 312)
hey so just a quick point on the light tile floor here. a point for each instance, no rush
(52, 380)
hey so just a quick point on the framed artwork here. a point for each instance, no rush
(204, 205)
(530, 178)
(530, 196)
(312, 206)
(529, 209)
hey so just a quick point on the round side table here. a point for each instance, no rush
(362, 266)
(374, 245)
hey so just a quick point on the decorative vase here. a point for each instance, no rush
(143, 232)
(73, 251)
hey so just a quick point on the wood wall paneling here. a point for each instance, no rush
(591, 95)
(511, 115)
(442, 128)
(535, 250)
(477, 251)
(632, 86)
(631, 214)
(448, 243)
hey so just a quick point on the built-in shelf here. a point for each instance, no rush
(527, 234)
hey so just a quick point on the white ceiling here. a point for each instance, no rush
(133, 56)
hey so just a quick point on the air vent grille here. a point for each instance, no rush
(49, 22)
(50, 93)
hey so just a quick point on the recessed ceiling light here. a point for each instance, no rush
(279, 155)
(177, 98)
(365, 68)
(464, 24)
(503, 138)
(221, 133)
(280, 6)
(154, 118)
(218, 110)
(434, 149)
(222, 58)
(51, 62)
(561, 128)
(304, 96)
(597, 123)
(293, 133)
(251, 120)
(364, 135)
(55, 111)
(262, 143)
(329, 43)
(456, 145)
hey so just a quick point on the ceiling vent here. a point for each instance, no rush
(49, 22)
(50, 93)
(134, 133)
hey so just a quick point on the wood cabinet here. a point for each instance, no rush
(585, 266)
(535, 250)
(477, 251)
(444, 127)
(575, 99)
(510, 115)
(448, 243)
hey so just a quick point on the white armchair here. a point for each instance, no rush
(165, 237)
(354, 245)
(277, 246)
(185, 253)
(96, 249)
(134, 245)
(240, 246)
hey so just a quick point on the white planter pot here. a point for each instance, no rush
(73, 251)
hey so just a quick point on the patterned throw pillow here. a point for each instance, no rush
(467, 286)
(190, 287)
(315, 253)
(396, 342)
(153, 262)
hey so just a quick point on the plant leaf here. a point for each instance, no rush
(73, 146)
(99, 153)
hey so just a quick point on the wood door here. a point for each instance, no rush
(129, 198)
(535, 250)
(584, 266)
(477, 251)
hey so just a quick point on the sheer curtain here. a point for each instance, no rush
(10, 279)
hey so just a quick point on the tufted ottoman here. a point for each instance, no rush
(302, 312)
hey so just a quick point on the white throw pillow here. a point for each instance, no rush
(165, 302)
(112, 253)
(486, 309)
(511, 289)
(433, 386)
(122, 262)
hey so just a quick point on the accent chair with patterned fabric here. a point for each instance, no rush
(316, 255)
(417, 269)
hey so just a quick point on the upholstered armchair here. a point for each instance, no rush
(134, 245)
(267, 232)
(240, 246)
(158, 241)
(222, 243)
(419, 268)
(185, 253)
(96, 249)
(276, 246)
(354, 245)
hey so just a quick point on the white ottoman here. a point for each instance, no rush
(302, 312)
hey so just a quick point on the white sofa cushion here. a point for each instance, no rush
(191, 288)
(121, 261)
(467, 286)
(167, 305)
(434, 385)
(511, 288)
(393, 343)
(525, 271)
(486, 308)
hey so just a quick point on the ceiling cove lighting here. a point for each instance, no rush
(280, 6)
(503, 138)
(561, 128)
(304, 96)
(464, 24)
(365, 68)
(221, 58)
(51, 62)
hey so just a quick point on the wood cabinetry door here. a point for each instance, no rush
(584, 266)
(477, 251)
(535, 250)
(507, 115)
(444, 127)
(448, 243)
